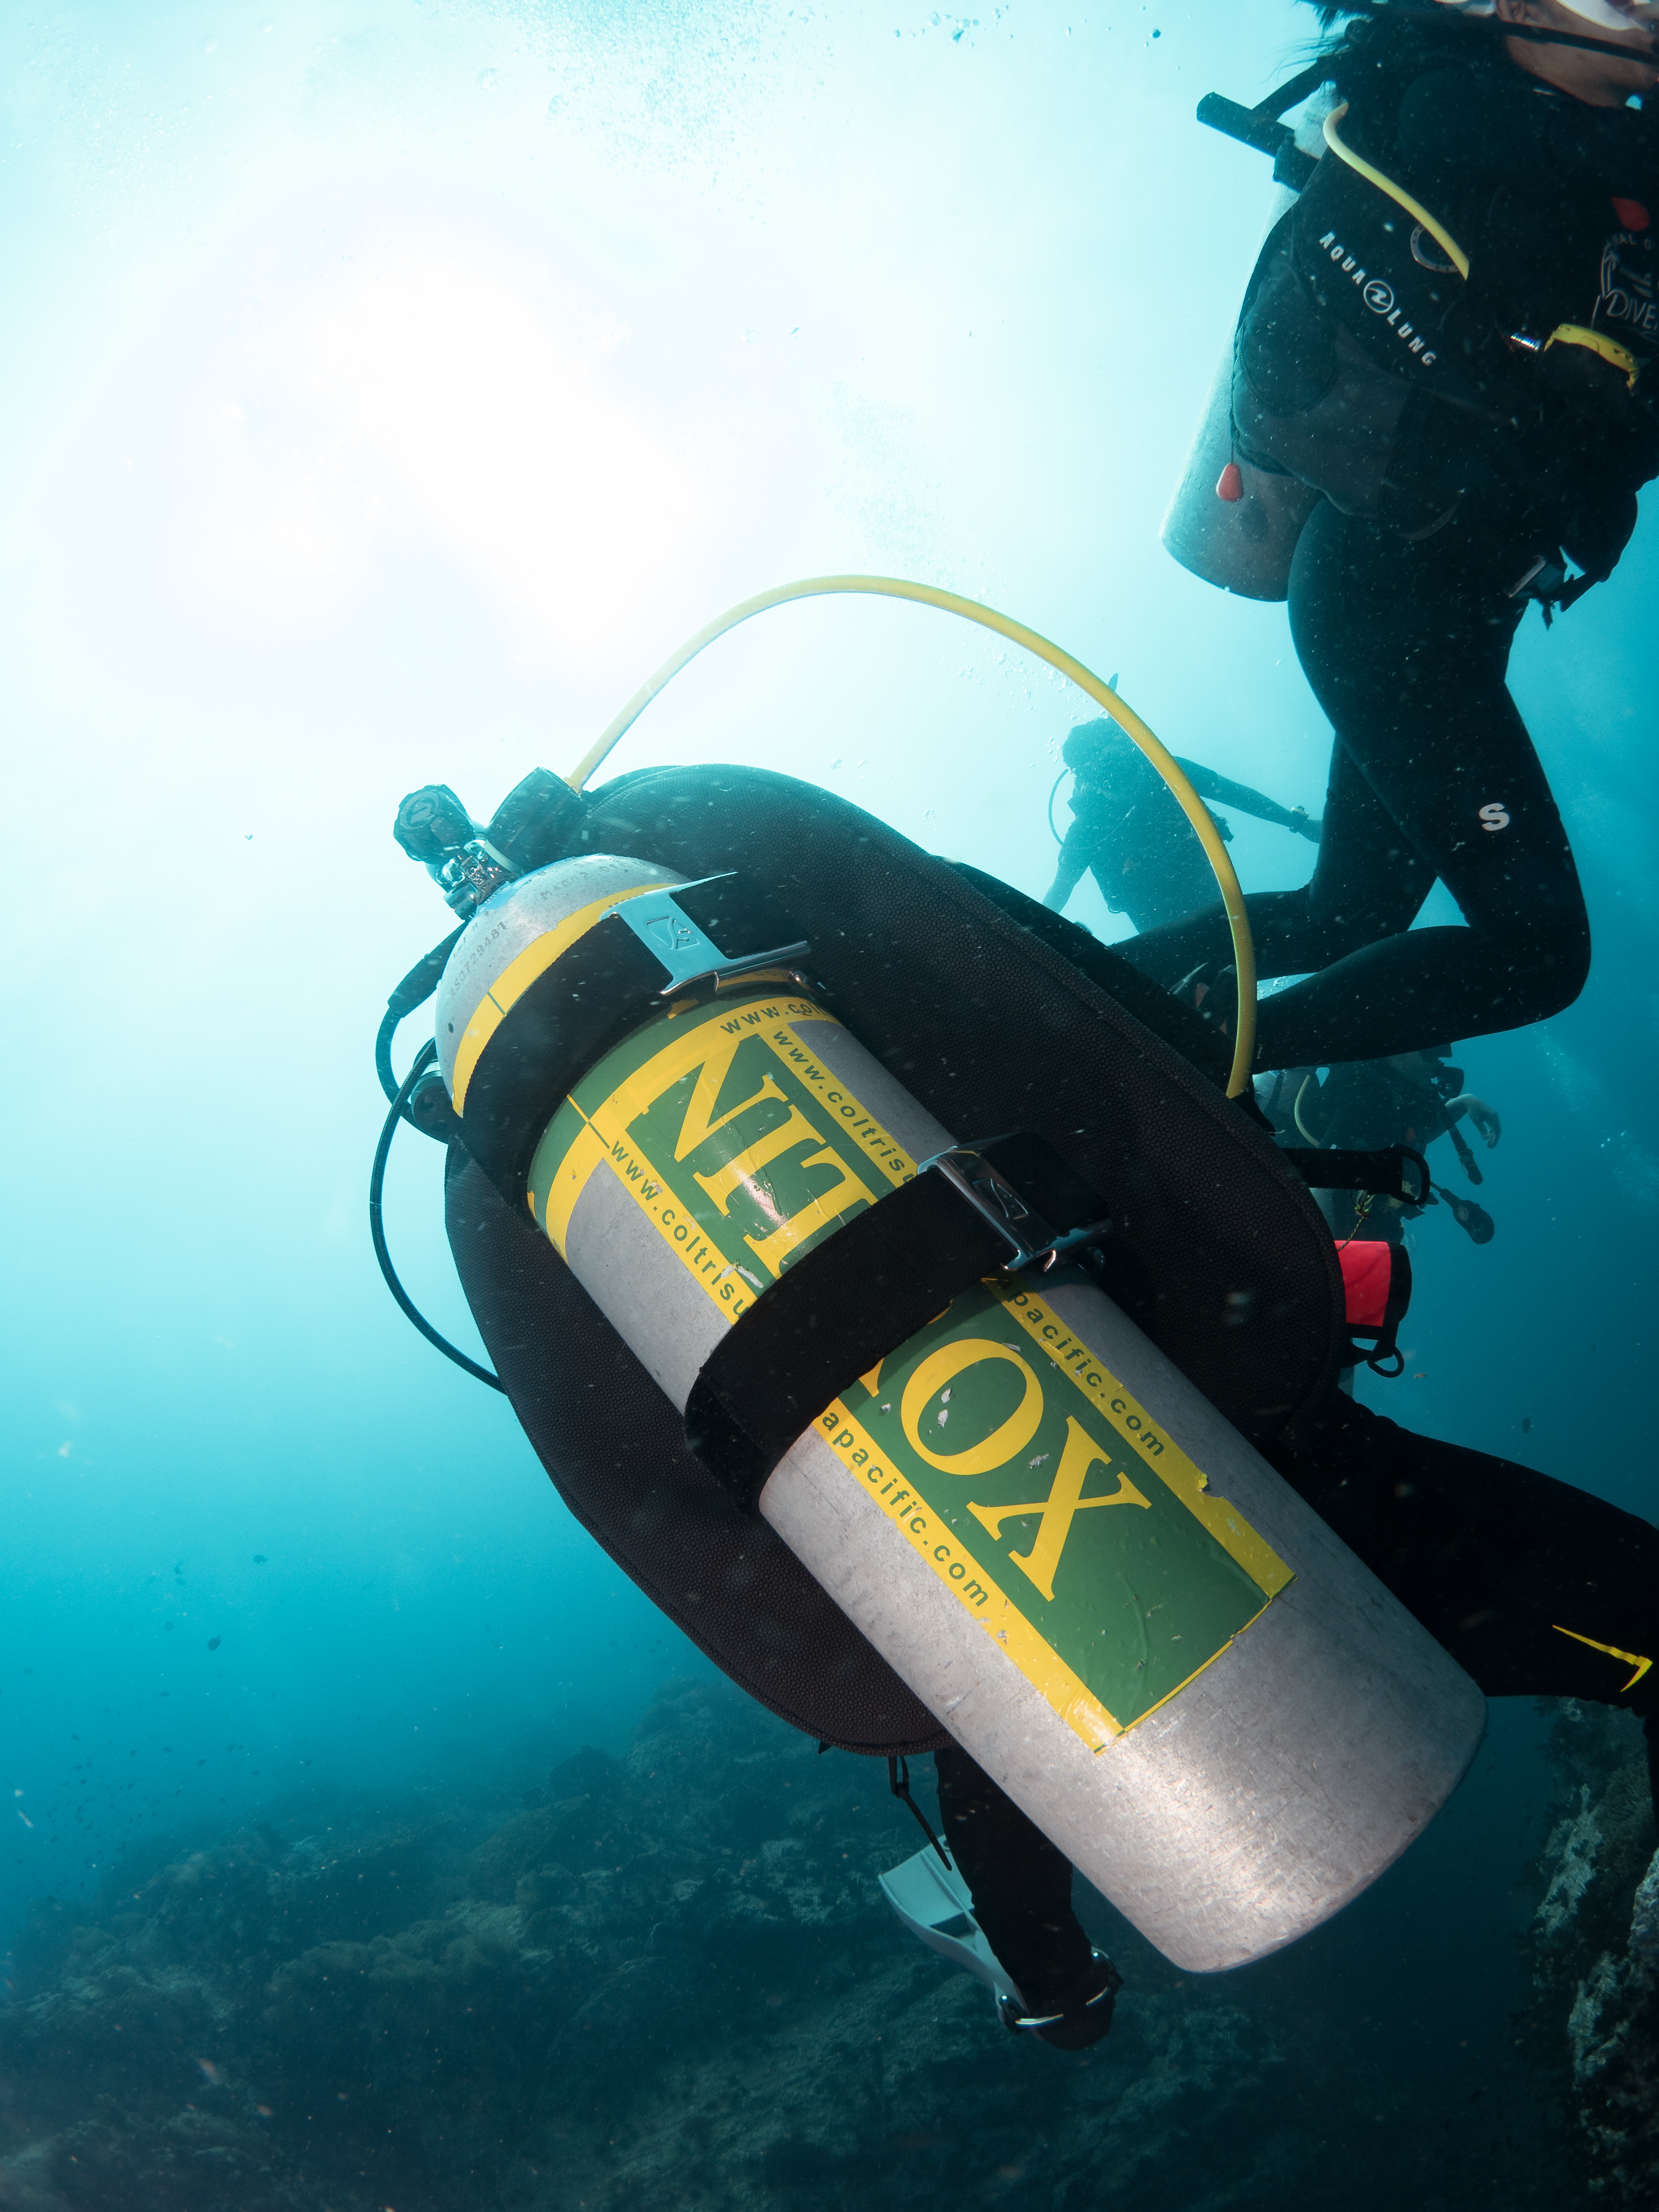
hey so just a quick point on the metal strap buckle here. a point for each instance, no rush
(687, 953)
(1032, 1240)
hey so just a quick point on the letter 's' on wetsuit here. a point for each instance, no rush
(1537, 1589)
(1462, 445)
(1128, 830)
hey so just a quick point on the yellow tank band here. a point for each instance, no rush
(929, 595)
(1621, 357)
(1397, 193)
(516, 978)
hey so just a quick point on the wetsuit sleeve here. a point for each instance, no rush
(1208, 785)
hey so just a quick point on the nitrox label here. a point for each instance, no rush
(730, 1133)
(1038, 1491)
(1061, 1516)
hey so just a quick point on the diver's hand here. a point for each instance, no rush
(1483, 1117)
(1304, 826)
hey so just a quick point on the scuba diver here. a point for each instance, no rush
(1366, 1105)
(618, 1112)
(1128, 831)
(1447, 344)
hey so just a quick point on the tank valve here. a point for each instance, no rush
(534, 825)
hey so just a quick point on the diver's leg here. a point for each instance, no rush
(1021, 1885)
(1537, 1589)
(1364, 885)
(1406, 648)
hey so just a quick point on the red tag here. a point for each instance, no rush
(1632, 214)
(1230, 484)
(1367, 1278)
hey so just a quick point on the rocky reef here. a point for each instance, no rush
(667, 1982)
(1595, 1945)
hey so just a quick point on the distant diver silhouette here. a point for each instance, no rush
(1127, 831)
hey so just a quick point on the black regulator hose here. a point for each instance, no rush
(424, 1060)
(415, 990)
(1059, 780)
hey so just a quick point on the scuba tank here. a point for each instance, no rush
(1228, 522)
(800, 1184)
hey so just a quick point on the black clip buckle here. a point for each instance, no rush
(1034, 1242)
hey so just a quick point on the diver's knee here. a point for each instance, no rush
(1554, 976)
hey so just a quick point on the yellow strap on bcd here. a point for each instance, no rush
(1598, 341)
(1574, 334)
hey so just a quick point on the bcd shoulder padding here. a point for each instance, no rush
(1216, 1249)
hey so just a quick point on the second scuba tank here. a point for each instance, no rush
(1243, 544)
(1243, 541)
(1098, 1586)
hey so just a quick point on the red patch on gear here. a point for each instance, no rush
(1632, 214)
(1367, 1278)
(1230, 484)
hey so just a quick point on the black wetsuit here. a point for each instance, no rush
(1537, 1589)
(1459, 457)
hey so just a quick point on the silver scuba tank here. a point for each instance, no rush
(1137, 1628)
(1242, 545)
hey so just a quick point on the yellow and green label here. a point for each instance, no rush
(1037, 1490)
(730, 1132)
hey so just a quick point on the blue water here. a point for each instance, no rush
(388, 388)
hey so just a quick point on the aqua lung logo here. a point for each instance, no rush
(1379, 298)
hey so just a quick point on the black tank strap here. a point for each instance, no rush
(975, 1211)
(898, 1781)
(652, 945)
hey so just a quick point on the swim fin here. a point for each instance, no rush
(933, 1901)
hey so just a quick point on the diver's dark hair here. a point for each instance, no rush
(1381, 49)
(1421, 15)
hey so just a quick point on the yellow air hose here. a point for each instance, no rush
(1574, 334)
(928, 595)
(1397, 193)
